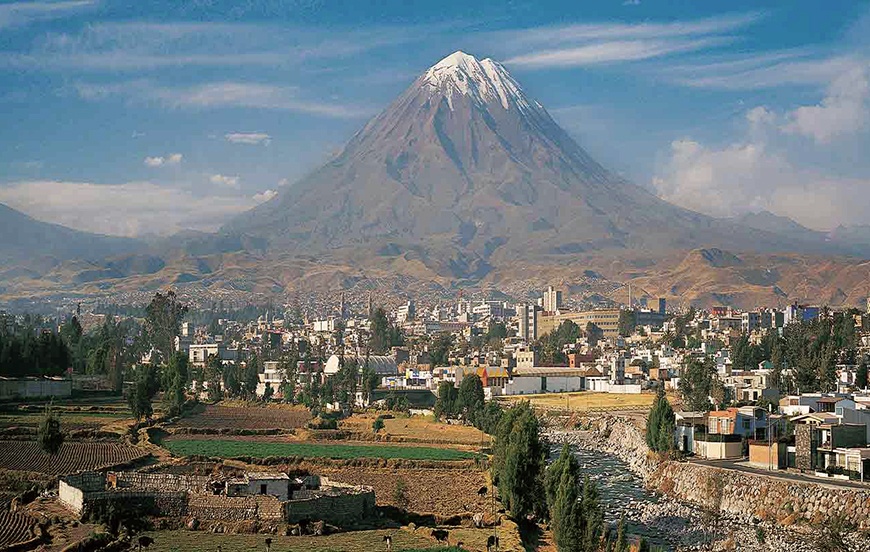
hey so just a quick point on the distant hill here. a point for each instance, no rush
(26, 240)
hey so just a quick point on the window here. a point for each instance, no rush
(746, 424)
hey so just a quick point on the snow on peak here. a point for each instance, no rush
(484, 81)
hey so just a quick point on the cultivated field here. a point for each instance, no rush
(358, 541)
(587, 401)
(417, 429)
(72, 457)
(68, 420)
(246, 417)
(219, 448)
(14, 528)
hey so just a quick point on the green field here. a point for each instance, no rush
(235, 449)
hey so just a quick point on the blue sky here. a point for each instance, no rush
(149, 117)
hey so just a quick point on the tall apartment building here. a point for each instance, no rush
(527, 319)
(552, 300)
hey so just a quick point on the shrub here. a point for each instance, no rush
(378, 424)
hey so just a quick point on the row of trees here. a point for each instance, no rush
(571, 503)
(468, 402)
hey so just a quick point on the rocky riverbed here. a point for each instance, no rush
(614, 454)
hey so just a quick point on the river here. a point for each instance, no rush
(623, 492)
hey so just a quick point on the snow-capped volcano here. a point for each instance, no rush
(484, 81)
(465, 169)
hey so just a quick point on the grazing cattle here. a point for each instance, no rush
(481, 491)
(145, 542)
(440, 535)
(388, 541)
(491, 543)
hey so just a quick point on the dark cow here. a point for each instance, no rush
(491, 543)
(481, 491)
(440, 535)
(388, 541)
(145, 542)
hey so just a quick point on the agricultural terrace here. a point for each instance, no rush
(72, 456)
(244, 416)
(14, 528)
(404, 540)
(417, 429)
(216, 448)
(69, 420)
(585, 401)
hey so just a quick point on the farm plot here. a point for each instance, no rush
(261, 449)
(245, 417)
(68, 420)
(417, 429)
(14, 528)
(72, 457)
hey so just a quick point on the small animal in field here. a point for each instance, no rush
(481, 491)
(491, 543)
(268, 544)
(440, 535)
(144, 542)
(388, 542)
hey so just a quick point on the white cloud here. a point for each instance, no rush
(129, 209)
(843, 111)
(612, 51)
(218, 95)
(223, 180)
(159, 161)
(264, 196)
(588, 44)
(750, 175)
(21, 13)
(253, 138)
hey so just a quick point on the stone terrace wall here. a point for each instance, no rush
(160, 482)
(340, 509)
(765, 497)
(230, 508)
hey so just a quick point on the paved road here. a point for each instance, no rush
(739, 465)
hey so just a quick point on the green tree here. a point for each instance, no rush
(576, 514)
(384, 335)
(696, 384)
(213, 375)
(861, 375)
(471, 396)
(267, 393)
(439, 349)
(232, 379)
(176, 376)
(518, 461)
(163, 317)
(50, 435)
(627, 322)
(446, 403)
(660, 424)
(140, 400)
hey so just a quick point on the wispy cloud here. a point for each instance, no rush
(251, 138)
(588, 44)
(21, 13)
(759, 71)
(140, 46)
(613, 51)
(219, 95)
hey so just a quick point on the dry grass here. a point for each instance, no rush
(587, 401)
(248, 417)
(473, 540)
(417, 429)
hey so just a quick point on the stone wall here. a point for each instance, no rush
(159, 482)
(339, 509)
(735, 492)
(766, 497)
